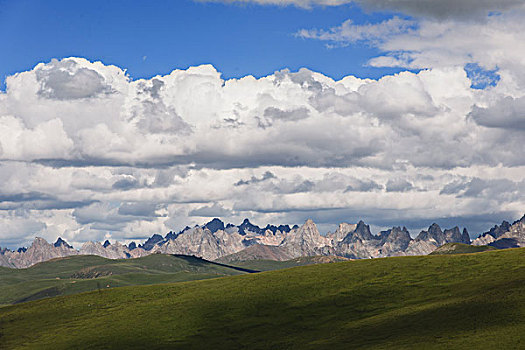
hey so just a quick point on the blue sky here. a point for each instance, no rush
(238, 40)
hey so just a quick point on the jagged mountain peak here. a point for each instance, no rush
(152, 242)
(60, 242)
(309, 222)
(305, 241)
(454, 235)
(493, 234)
(465, 236)
(433, 233)
(40, 243)
(172, 235)
(434, 228)
(345, 225)
(522, 220)
(274, 229)
(248, 226)
(362, 231)
(498, 231)
(308, 228)
(91, 244)
(394, 240)
(342, 231)
(394, 230)
(215, 225)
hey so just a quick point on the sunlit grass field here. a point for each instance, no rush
(83, 273)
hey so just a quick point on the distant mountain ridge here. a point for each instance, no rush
(215, 240)
(504, 235)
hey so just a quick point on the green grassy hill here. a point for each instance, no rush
(472, 301)
(460, 248)
(268, 265)
(83, 273)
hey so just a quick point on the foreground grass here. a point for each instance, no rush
(76, 274)
(472, 301)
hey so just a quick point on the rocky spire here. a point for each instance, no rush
(361, 233)
(465, 237)
(342, 231)
(433, 234)
(152, 241)
(60, 242)
(305, 241)
(454, 235)
(215, 225)
(248, 226)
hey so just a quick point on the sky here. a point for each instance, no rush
(156, 37)
(123, 119)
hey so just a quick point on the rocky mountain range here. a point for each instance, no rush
(215, 240)
(504, 235)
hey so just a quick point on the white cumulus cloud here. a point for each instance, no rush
(88, 153)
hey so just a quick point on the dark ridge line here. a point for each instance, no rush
(193, 257)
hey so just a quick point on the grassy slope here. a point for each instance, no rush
(460, 248)
(268, 265)
(75, 274)
(472, 301)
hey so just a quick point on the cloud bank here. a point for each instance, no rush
(439, 9)
(88, 153)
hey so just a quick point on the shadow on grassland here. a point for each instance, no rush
(46, 293)
(335, 324)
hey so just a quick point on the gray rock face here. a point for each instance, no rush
(359, 243)
(453, 235)
(151, 242)
(39, 251)
(517, 232)
(258, 252)
(427, 241)
(483, 240)
(305, 241)
(514, 237)
(465, 237)
(434, 235)
(504, 235)
(394, 241)
(215, 240)
(203, 243)
(111, 251)
(421, 247)
(493, 234)
(342, 231)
